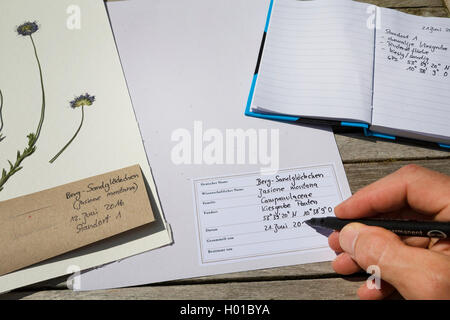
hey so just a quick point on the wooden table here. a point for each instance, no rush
(365, 161)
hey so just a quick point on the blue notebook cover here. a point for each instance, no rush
(287, 118)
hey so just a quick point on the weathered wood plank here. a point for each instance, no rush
(359, 175)
(362, 174)
(354, 147)
(296, 272)
(316, 289)
(290, 282)
(405, 3)
(427, 8)
(427, 12)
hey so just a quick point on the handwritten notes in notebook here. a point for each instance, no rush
(412, 73)
(45, 224)
(415, 53)
(317, 61)
(350, 61)
(251, 215)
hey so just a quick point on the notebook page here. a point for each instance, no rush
(412, 74)
(317, 60)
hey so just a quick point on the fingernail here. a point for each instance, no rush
(337, 208)
(340, 206)
(348, 236)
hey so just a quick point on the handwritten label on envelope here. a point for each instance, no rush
(45, 224)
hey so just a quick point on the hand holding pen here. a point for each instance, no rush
(418, 267)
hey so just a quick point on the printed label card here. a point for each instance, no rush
(251, 215)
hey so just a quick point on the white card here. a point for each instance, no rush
(191, 64)
(250, 215)
(74, 61)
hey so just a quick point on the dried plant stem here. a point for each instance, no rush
(1, 116)
(32, 137)
(41, 121)
(73, 138)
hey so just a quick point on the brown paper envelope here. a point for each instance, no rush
(48, 223)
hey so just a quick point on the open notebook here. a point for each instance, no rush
(341, 62)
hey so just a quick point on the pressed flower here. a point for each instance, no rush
(81, 101)
(78, 102)
(27, 28)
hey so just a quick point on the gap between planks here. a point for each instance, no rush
(359, 176)
(406, 3)
(339, 288)
(58, 289)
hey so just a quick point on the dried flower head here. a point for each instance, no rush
(27, 28)
(83, 100)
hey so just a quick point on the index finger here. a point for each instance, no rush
(423, 190)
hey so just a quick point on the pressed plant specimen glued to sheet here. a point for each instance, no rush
(56, 60)
(66, 116)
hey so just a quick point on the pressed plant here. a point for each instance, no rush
(27, 29)
(1, 116)
(78, 102)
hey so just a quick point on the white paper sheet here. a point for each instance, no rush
(317, 61)
(249, 215)
(189, 67)
(412, 75)
(73, 61)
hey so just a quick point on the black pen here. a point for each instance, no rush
(430, 229)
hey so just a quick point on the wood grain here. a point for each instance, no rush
(362, 174)
(354, 147)
(405, 3)
(316, 289)
(365, 161)
(447, 4)
(359, 175)
(427, 12)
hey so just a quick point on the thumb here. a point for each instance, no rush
(416, 273)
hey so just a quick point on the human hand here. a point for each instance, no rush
(419, 268)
